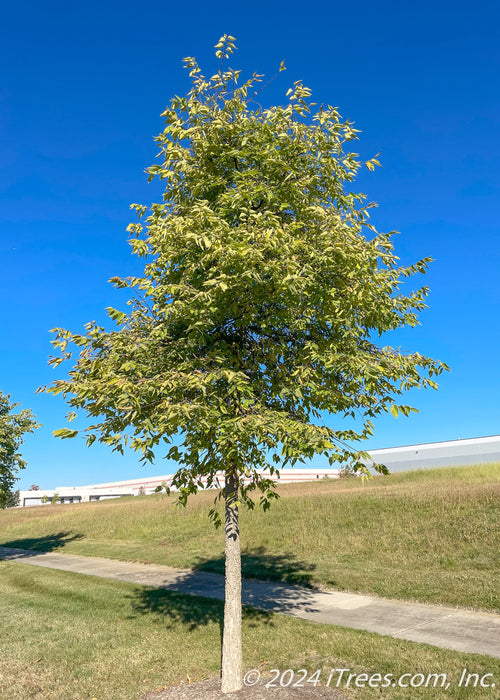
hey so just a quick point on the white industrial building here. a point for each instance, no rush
(483, 450)
(451, 453)
(135, 487)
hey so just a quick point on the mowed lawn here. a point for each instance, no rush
(430, 535)
(68, 636)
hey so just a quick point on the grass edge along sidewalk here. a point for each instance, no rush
(67, 636)
(460, 630)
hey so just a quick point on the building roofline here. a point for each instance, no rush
(423, 445)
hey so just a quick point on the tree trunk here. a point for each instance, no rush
(231, 640)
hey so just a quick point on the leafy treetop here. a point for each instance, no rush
(265, 292)
(13, 427)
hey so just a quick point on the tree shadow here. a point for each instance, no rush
(190, 610)
(30, 546)
(259, 564)
(195, 598)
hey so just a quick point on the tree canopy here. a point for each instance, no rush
(13, 427)
(265, 290)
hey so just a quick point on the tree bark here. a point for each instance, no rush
(231, 640)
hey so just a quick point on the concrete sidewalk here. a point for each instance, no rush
(461, 630)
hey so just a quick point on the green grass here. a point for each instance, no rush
(67, 636)
(428, 535)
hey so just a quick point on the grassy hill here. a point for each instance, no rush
(428, 535)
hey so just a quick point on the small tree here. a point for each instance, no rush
(13, 427)
(12, 499)
(265, 291)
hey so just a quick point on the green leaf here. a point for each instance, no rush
(64, 433)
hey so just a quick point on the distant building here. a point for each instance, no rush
(483, 450)
(136, 487)
(452, 453)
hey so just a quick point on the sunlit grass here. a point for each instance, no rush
(429, 535)
(68, 636)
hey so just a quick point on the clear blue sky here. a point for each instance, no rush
(82, 88)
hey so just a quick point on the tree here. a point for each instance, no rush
(13, 426)
(11, 499)
(265, 293)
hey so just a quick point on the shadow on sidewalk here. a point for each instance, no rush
(48, 543)
(192, 609)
